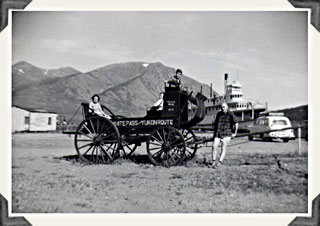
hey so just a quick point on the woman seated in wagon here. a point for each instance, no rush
(95, 107)
(158, 106)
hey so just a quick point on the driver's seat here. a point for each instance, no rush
(85, 110)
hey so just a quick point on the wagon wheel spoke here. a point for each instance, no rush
(86, 145)
(96, 155)
(99, 155)
(160, 137)
(109, 135)
(165, 138)
(188, 152)
(157, 155)
(155, 149)
(106, 130)
(175, 145)
(104, 123)
(116, 152)
(103, 160)
(107, 156)
(97, 123)
(106, 152)
(85, 126)
(155, 144)
(191, 148)
(188, 139)
(82, 140)
(113, 148)
(175, 139)
(157, 139)
(127, 146)
(163, 133)
(170, 136)
(94, 148)
(127, 149)
(108, 147)
(170, 159)
(173, 152)
(110, 141)
(92, 126)
(86, 135)
(88, 150)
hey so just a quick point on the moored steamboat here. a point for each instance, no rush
(244, 109)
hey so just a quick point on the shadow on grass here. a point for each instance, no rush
(244, 160)
(138, 159)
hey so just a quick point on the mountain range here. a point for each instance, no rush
(125, 88)
(24, 73)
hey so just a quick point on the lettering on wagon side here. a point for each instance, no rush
(144, 122)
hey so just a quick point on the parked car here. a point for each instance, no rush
(272, 121)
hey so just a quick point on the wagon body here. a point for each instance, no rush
(167, 134)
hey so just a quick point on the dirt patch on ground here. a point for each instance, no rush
(257, 177)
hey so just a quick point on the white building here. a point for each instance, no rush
(28, 119)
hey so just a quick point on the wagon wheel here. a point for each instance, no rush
(191, 147)
(97, 140)
(166, 146)
(126, 150)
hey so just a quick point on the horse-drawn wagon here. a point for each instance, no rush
(167, 134)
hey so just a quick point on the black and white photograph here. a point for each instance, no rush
(159, 112)
(156, 114)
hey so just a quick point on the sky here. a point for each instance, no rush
(265, 50)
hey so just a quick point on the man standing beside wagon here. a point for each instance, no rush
(225, 128)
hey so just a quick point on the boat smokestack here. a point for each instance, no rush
(266, 106)
(201, 89)
(210, 90)
(225, 84)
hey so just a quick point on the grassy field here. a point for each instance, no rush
(257, 177)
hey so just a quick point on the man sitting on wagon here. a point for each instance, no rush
(176, 79)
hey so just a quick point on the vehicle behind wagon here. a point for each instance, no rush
(272, 121)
